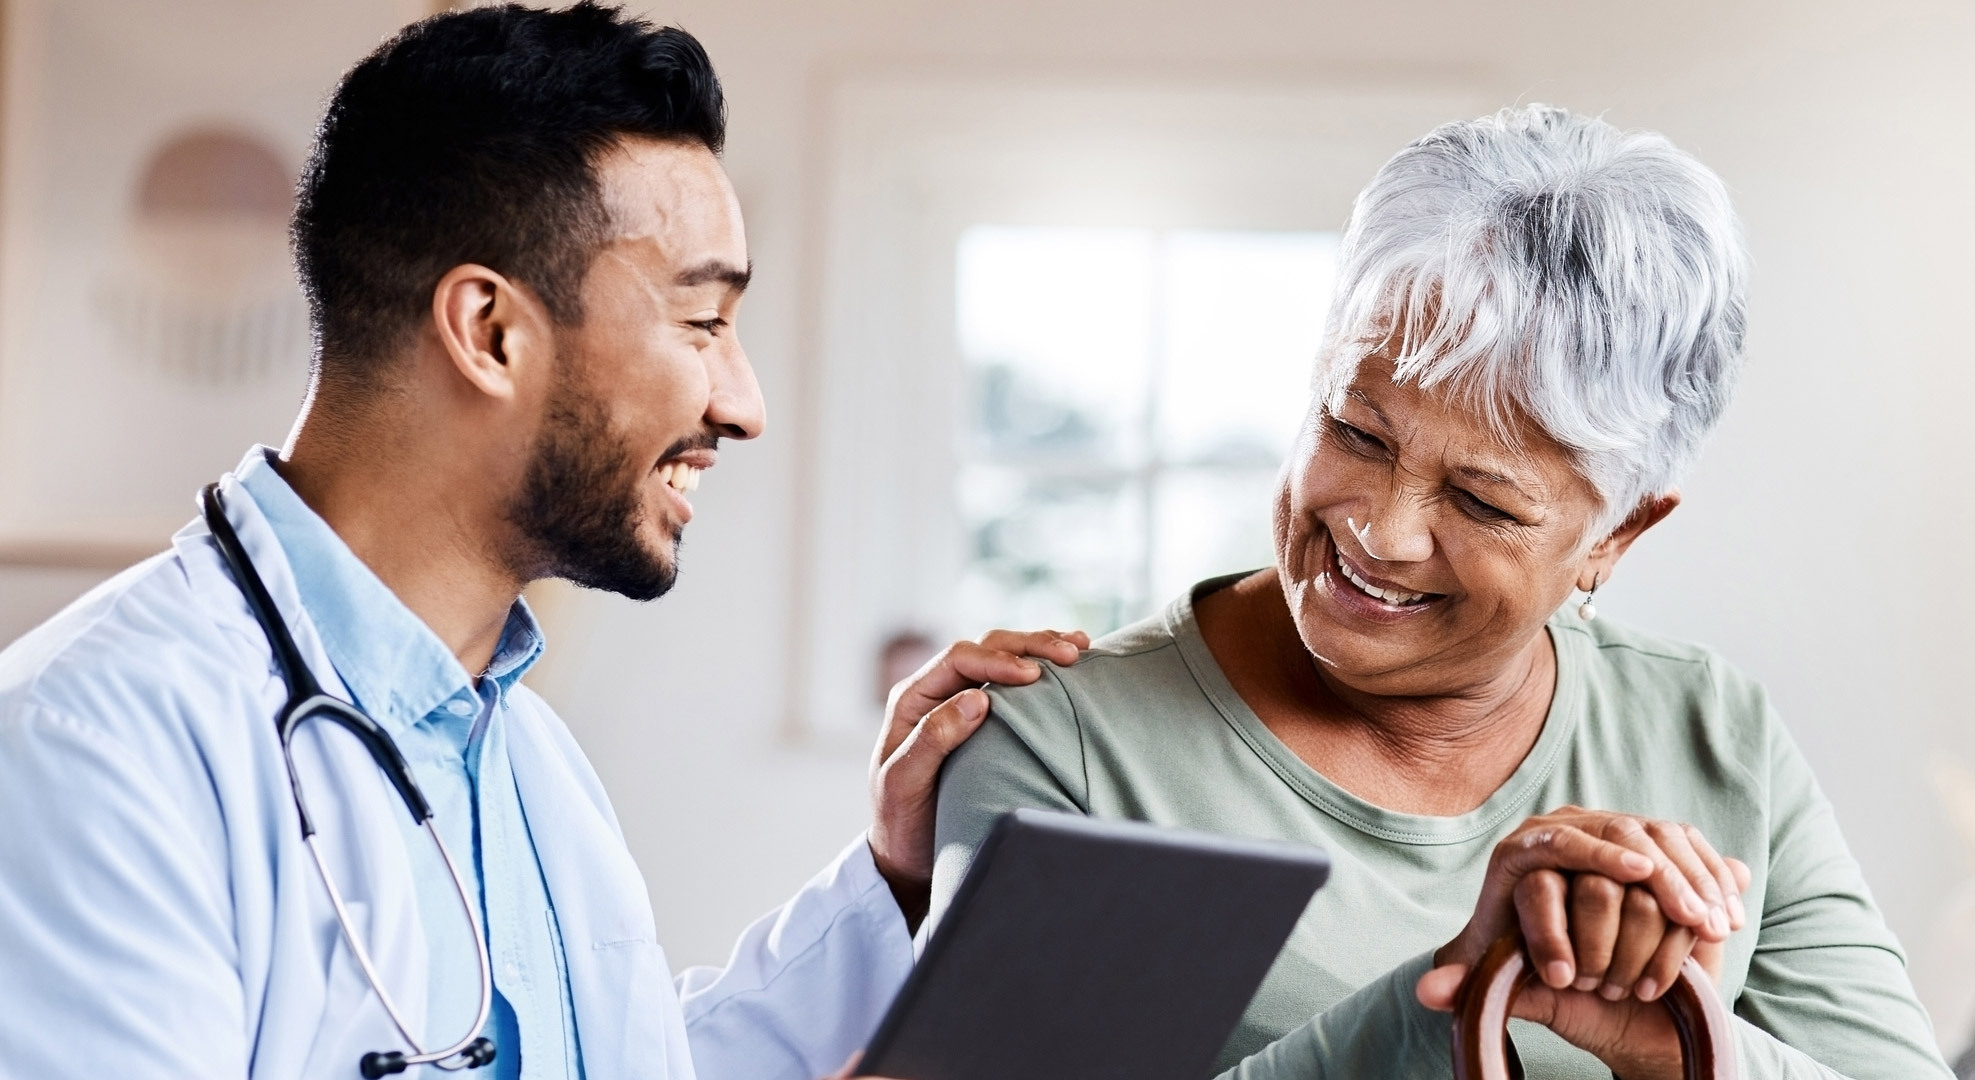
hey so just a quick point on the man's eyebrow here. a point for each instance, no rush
(716, 270)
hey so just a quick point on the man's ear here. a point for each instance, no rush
(1605, 553)
(494, 330)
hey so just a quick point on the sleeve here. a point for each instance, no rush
(110, 910)
(1381, 1029)
(1827, 995)
(997, 770)
(806, 984)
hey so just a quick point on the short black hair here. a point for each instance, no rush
(471, 137)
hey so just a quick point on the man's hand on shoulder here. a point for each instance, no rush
(926, 717)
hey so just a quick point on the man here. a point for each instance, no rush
(524, 264)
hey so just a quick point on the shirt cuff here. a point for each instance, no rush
(857, 868)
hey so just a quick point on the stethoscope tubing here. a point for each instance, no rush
(307, 700)
(419, 1055)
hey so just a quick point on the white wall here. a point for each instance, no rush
(1822, 543)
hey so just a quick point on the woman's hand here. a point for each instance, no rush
(1604, 951)
(1526, 887)
(1631, 1034)
(927, 717)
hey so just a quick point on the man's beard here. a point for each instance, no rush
(581, 504)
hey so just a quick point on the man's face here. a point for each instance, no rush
(651, 380)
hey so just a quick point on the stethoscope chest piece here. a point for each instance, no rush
(381, 1063)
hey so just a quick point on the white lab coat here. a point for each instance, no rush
(160, 915)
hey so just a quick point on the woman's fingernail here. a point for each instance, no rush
(1558, 974)
(973, 704)
(1736, 909)
(1586, 982)
(1718, 921)
(1647, 989)
(1636, 863)
(1611, 993)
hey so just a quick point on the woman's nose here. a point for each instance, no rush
(1395, 532)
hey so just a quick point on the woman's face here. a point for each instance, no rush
(1420, 553)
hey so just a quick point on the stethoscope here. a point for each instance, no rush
(308, 701)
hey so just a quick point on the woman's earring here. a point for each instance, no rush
(1588, 610)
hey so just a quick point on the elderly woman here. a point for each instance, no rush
(1539, 319)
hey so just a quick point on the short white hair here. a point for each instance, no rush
(1546, 265)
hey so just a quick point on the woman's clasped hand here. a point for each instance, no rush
(1608, 907)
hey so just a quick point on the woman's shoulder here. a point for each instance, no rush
(1138, 670)
(1124, 660)
(1618, 647)
(1655, 686)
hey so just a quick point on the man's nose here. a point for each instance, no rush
(734, 406)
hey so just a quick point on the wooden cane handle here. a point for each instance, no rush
(1481, 1018)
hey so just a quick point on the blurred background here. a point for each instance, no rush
(1037, 288)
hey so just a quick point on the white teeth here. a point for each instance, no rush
(681, 476)
(1390, 596)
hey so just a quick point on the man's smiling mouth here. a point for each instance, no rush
(681, 476)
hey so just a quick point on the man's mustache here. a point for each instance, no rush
(705, 440)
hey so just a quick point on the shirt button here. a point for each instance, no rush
(458, 707)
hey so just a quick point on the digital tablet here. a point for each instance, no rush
(1078, 949)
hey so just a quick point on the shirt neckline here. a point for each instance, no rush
(393, 665)
(1511, 799)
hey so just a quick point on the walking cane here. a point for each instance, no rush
(1481, 1018)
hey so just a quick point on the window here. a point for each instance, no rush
(1130, 395)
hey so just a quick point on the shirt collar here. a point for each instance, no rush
(395, 667)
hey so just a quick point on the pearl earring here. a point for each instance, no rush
(1588, 610)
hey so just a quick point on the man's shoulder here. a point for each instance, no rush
(147, 641)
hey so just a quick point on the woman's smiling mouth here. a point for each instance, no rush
(1367, 596)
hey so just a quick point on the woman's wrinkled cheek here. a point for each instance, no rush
(1300, 538)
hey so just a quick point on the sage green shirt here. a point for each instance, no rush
(1146, 726)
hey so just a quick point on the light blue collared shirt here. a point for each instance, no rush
(451, 734)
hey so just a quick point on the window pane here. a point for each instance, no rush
(1056, 549)
(1131, 395)
(1209, 521)
(1055, 325)
(1243, 315)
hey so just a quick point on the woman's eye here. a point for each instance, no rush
(1480, 510)
(1357, 438)
(711, 326)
